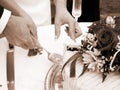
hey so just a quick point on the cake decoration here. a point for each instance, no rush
(100, 47)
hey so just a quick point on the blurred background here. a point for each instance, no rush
(110, 7)
(107, 7)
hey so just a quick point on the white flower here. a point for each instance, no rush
(110, 21)
(91, 39)
(92, 66)
(87, 58)
(118, 44)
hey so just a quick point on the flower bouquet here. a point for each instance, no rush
(100, 48)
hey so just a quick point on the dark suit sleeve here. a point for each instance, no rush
(90, 10)
(1, 11)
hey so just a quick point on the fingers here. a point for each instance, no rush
(67, 30)
(2, 35)
(33, 30)
(24, 42)
(30, 42)
(78, 31)
(37, 45)
(72, 31)
(57, 30)
(33, 34)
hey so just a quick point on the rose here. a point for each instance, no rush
(107, 38)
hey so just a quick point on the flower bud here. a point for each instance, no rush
(110, 20)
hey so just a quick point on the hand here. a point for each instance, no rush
(63, 17)
(29, 22)
(18, 32)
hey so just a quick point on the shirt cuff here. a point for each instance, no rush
(4, 19)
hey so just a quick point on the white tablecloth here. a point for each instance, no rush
(30, 72)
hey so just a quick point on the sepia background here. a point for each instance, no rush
(110, 7)
(107, 7)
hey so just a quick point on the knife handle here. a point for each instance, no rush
(10, 69)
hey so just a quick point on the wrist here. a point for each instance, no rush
(60, 3)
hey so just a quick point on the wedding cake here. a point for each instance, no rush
(95, 63)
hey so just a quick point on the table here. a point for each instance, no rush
(30, 72)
